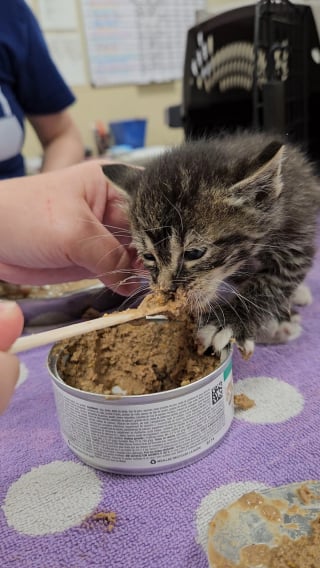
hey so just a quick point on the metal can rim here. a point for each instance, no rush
(133, 399)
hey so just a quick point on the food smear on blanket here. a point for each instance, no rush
(243, 402)
(136, 358)
(303, 552)
(105, 519)
(306, 495)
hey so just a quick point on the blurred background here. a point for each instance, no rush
(124, 60)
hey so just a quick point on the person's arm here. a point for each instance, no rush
(65, 225)
(41, 91)
(60, 139)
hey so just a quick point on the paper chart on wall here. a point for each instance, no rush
(137, 41)
(58, 14)
(67, 53)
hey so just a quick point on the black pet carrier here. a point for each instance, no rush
(257, 66)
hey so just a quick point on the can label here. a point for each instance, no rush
(145, 436)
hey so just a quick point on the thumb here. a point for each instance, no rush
(102, 254)
(11, 324)
(9, 373)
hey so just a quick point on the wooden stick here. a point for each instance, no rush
(108, 320)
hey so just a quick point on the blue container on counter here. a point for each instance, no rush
(129, 132)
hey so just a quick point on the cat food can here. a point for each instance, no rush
(145, 434)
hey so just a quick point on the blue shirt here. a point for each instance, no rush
(30, 83)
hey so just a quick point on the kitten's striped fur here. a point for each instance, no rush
(232, 220)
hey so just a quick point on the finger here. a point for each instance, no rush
(39, 277)
(11, 324)
(116, 220)
(102, 254)
(42, 276)
(9, 372)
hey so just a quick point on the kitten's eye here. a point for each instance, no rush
(193, 254)
(149, 257)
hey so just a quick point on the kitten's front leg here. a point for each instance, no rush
(217, 337)
(259, 304)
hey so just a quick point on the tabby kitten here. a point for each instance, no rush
(231, 220)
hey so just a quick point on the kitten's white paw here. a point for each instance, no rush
(296, 318)
(222, 339)
(210, 336)
(267, 332)
(280, 333)
(287, 331)
(205, 337)
(302, 296)
(247, 348)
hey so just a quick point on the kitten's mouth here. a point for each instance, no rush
(179, 296)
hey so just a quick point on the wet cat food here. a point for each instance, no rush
(134, 358)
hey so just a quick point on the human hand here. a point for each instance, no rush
(65, 225)
(11, 324)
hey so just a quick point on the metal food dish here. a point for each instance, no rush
(149, 433)
(69, 305)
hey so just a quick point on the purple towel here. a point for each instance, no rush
(46, 493)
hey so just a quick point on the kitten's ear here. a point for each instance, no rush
(266, 182)
(123, 177)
